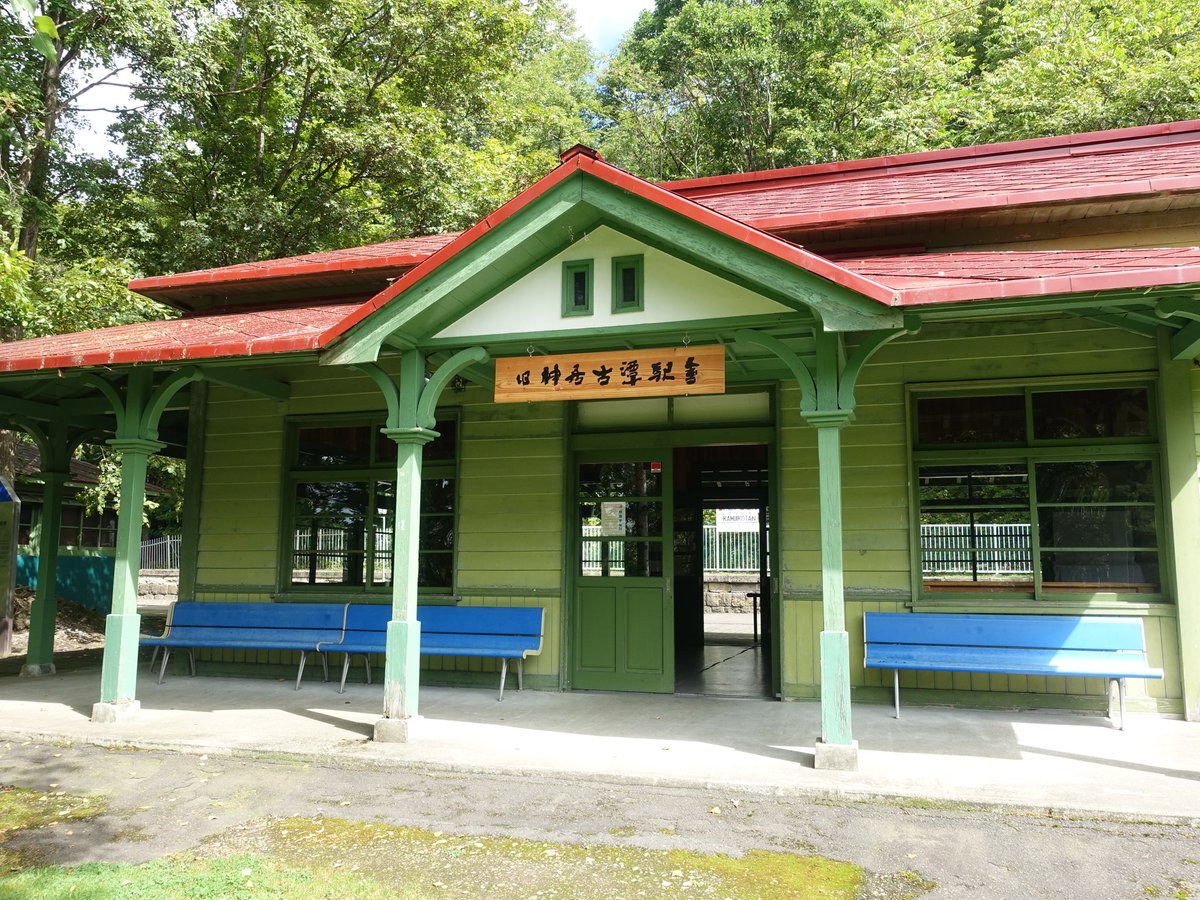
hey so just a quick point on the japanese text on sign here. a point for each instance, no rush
(630, 373)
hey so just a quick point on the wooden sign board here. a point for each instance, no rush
(613, 373)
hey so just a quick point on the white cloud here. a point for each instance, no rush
(604, 22)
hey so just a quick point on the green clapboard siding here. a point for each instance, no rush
(510, 496)
(243, 465)
(875, 475)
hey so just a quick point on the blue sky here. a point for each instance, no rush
(604, 21)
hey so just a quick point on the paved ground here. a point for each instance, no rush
(161, 802)
(984, 803)
(1037, 760)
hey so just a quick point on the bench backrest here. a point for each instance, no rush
(280, 616)
(483, 620)
(981, 630)
(525, 621)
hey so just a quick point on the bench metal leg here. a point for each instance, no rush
(367, 663)
(520, 674)
(153, 657)
(503, 676)
(896, 687)
(162, 673)
(192, 661)
(300, 672)
(1121, 691)
(345, 672)
(324, 664)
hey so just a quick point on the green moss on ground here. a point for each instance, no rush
(22, 809)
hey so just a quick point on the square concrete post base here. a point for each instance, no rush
(115, 711)
(839, 757)
(395, 731)
(37, 670)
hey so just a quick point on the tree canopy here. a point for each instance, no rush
(705, 87)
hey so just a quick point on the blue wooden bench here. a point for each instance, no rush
(302, 627)
(1107, 647)
(504, 633)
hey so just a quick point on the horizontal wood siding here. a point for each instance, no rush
(875, 477)
(243, 466)
(510, 497)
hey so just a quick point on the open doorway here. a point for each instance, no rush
(722, 571)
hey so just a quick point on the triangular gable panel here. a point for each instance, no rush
(575, 200)
(673, 291)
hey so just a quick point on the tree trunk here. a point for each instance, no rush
(37, 168)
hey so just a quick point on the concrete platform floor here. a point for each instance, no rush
(1037, 759)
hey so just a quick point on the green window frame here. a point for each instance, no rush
(577, 279)
(628, 282)
(338, 507)
(1041, 492)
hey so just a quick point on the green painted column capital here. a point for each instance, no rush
(413, 435)
(136, 445)
(828, 418)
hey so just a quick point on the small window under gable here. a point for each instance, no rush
(577, 287)
(627, 284)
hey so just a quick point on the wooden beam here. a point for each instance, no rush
(1125, 322)
(47, 412)
(239, 380)
(1185, 343)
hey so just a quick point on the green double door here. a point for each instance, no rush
(622, 632)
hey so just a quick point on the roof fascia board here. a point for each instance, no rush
(1087, 284)
(378, 321)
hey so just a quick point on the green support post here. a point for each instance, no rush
(39, 659)
(1183, 489)
(402, 663)
(836, 748)
(118, 676)
(411, 405)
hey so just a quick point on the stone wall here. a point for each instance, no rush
(725, 592)
(157, 587)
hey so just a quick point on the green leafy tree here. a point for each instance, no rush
(705, 87)
(289, 126)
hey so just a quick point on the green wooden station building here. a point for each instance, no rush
(972, 343)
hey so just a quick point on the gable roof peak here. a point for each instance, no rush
(580, 150)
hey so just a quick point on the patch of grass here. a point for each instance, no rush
(245, 877)
(412, 861)
(917, 881)
(622, 831)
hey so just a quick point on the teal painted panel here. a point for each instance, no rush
(86, 580)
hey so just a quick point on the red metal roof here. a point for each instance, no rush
(387, 256)
(230, 333)
(986, 275)
(1147, 160)
(1074, 175)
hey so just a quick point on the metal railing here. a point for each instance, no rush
(724, 551)
(161, 552)
(979, 549)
